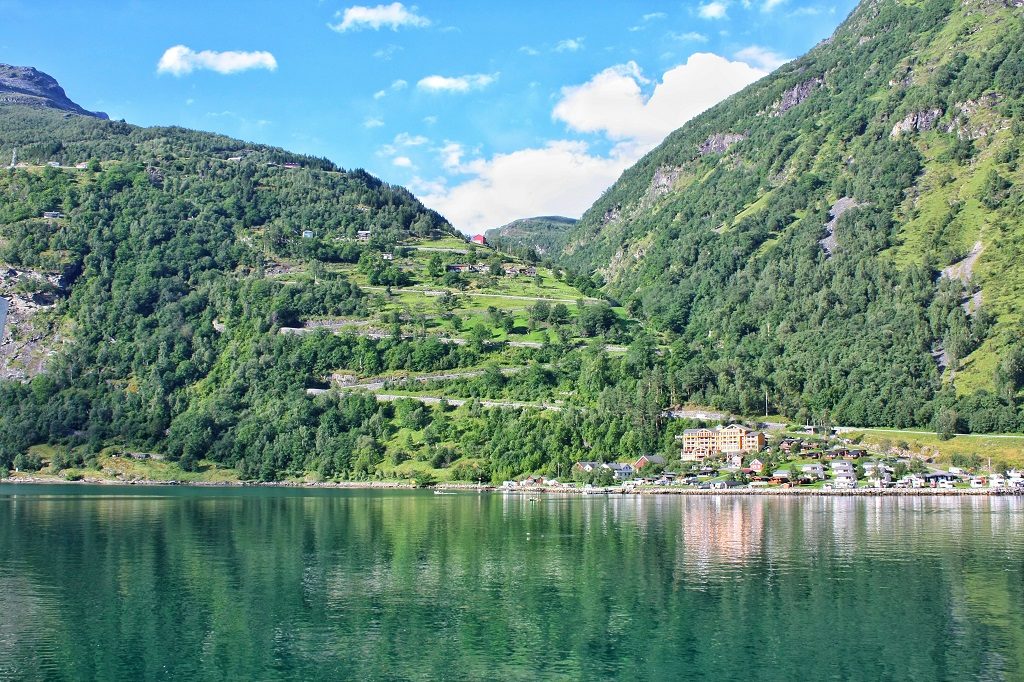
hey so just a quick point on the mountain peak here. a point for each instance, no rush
(28, 86)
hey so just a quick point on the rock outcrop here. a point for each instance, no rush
(719, 143)
(30, 87)
(975, 119)
(830, 242)
(796, 95)
(917, 121)
(664, 180)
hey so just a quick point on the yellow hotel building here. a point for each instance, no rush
(699, 444)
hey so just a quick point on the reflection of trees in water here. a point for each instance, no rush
(407, 584)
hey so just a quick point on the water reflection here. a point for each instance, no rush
(107, 584)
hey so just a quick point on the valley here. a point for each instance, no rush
(837, 244)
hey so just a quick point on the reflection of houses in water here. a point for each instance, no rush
(719, 530)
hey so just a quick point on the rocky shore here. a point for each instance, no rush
(537, 490)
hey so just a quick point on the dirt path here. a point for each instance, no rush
(457, 402)
(379, 383)
(510, 297)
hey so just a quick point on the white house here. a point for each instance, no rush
(844, 479)
(815, 470)
(620, 471)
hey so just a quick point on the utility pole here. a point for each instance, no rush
(766, 401)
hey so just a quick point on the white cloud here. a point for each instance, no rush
(527, 50)
(396, 86)
(402, 161)
(430, 120)
(769, 5)
(407, 140)
(392, 16)
(569, 45)
(402, 141)
(456, 83)
(713, 10)
(181, 60)
(561, 178)
(373, 123)
(689, 36)
(387, 52)
(422, 186)
(761, 57)
(451, 156)
(565, 177)
(654, 15)
(613, 103)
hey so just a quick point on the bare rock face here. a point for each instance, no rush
(918, 121)
(974, 119)
(796, 95)
(719, 143)
(664, 180)
(830, 243)
(611, 215)
(27, 86)
(27, 341)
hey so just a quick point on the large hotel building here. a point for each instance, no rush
(699, 444)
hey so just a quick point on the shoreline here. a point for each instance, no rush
(540, 490)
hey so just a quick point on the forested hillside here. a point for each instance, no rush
(845, 234)
(545, 235)
(212, 302)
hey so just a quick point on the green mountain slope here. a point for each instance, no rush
(544, 234)
(845, 233)
(212, 302)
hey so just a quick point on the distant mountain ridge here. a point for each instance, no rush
(27, 86)
(545, 234)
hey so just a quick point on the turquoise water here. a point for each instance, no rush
(177, 583)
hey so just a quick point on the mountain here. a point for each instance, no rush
(221, 310)
(545, 234)
(847, 233)
(241, 311)
(29, 87)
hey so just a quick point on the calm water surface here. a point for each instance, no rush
(175, 583)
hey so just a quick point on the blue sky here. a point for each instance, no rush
(488, 111)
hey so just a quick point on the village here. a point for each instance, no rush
(738, 458)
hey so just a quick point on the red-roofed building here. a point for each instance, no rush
(479, 239)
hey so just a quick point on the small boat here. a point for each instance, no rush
(443, 492)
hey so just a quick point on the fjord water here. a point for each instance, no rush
(184, 583)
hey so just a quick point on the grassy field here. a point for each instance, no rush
(112, 466)
(1008, 448)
